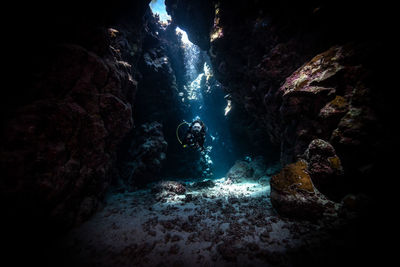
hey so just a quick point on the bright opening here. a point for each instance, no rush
(184, 36)
(158, 8)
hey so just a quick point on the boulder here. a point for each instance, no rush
(251, 169)
(170, 186)
(324, 167)
(240, 171)
(259, 167)
(294, 195)
(165, 189)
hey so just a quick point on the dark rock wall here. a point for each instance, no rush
(97, 77)
(161, 76)
(142, 162)
(68, 107)
(156, 103)
(64, 143)
(195, 17)
(335, 95)
(261, 44)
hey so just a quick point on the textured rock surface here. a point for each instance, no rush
(157, 97)
(161, 76)
(293, 194)
(253, 169)
(331, 97)
(258, 164)
(239, 171)
(143, 161)
(318, 92)
(166, 189)
(66, 140)
(283, 64)
(184, 13)
(65, 116)
(324, 167)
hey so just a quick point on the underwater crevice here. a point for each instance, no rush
(299, 109)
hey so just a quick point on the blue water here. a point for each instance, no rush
(158, 7)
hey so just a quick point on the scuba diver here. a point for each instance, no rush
(195, 134)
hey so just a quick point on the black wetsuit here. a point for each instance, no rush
(195, 138)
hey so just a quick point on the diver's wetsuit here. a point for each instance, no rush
(195, 135)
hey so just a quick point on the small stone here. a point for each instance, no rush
(174, 249)
(175, 238)
(264, 237)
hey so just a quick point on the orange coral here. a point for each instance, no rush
(293, 178)
(335, 163)
(339, 102)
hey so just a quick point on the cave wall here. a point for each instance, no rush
(333, 68)
(68, 107)
(195, 17)
(276, 42)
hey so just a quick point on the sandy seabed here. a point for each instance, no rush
(222, 225)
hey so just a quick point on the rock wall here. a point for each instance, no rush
(332, 98)
(63, 145)
(161, 76)
(143, 160)
(67, 112)
(184, 13)
(335, 96)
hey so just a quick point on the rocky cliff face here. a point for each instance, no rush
(143, 160)
(194, 17)
(64, 143)
(62, 129)
(332, 97)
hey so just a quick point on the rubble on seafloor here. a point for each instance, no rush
(209, 222)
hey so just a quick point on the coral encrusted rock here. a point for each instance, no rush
(324, 167)
(333, 97)
(294, 195)
(241, 170)
(165, 189)
(143, 160)
(252, 169)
